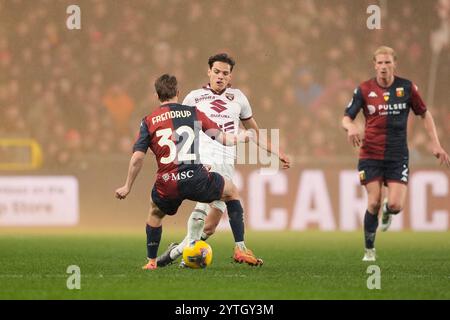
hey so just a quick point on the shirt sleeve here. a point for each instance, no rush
(143, 140)
(356, 104)
(246, 110)
(417, 103)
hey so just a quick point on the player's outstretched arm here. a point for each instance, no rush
(211, 129)
(353, 136)
(228, 139)
(436, 147)
(136, 162)
(260, 141)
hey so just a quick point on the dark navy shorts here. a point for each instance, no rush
(196, 184)
(383, 170)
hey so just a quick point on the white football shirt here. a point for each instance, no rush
(225, 109)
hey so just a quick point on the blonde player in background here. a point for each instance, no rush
(386, 101)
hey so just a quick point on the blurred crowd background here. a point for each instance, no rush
(82, 93)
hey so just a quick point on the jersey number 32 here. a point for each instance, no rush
(184, 152)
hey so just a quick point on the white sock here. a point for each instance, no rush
(196, 223)
(385, 208)
(178, 250)
(241, 245)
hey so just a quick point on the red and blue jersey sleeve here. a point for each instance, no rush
(357, 103)
(417, 104)
(144, 138)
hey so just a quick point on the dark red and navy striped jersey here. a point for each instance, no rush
(386, 111)
(172, 133)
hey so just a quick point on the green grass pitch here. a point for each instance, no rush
(298, 265)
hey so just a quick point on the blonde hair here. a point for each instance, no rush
(385, 50)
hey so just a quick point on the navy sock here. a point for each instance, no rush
(236, 216)
(153, 239)
(370, 229)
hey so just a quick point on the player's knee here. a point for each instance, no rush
(220, 205)
(155, 213)
(395, 207)
(154, 221)
(374, 205)
(230, 191)
(234, 194)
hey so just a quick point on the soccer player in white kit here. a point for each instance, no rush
(226, 106)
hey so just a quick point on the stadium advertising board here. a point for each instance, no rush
(333, 200)
(39, 201)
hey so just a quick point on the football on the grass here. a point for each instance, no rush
(197, 255)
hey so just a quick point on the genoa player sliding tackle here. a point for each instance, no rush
(227, 106)
(171, 132)
(386, 101)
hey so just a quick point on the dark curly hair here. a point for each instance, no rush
(221, 57)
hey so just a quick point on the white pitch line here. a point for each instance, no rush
(59, 276)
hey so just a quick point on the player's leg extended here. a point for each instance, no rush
(218, 208)
(154, 232)
(236, 217)
(236, 222)
(241, 252)
(373, 189)
(235, 211)
(393, 203)
(396, 175)
(195, 225)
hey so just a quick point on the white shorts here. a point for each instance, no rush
(227, 171)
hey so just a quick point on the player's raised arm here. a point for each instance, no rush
(252, 126)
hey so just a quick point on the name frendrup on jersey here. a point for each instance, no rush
(171, 115)
(183, 114)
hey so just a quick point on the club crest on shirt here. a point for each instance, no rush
(229, 96)
(371, 109)
(386, 96)
(400, 92)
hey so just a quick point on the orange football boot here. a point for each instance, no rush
(151, 265)
(246, 256)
